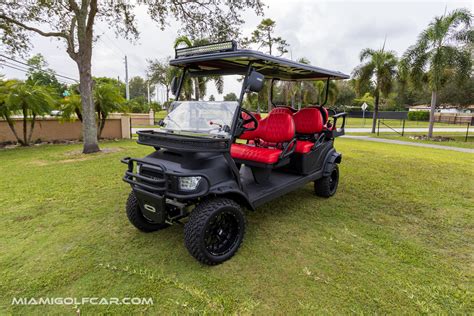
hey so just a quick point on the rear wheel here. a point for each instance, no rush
(215, 230)
(327, 186)
(136, 217)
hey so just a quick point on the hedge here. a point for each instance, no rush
(419, 116)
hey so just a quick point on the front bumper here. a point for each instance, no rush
(155, 179)
(157, 189)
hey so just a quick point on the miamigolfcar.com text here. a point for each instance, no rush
(82, 301)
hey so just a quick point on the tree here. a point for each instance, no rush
(378, 66)
(458, 94)
(31, 100)
(39, 73)
(73, 23)
(366, 98)
(72, 105)
(160, 72)
(333, 91)
(138, 87)
(107, 96)
(107, 99)
(263, 36)
(444, 48)
(200, 82)
(231, 96)
(346, 93)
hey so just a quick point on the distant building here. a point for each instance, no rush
(443, 108)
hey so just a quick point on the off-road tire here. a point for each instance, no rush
(327, 186)
(135, 216)
(201, 219)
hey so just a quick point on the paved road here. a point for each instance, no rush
(407, 129)
(368, 130)
(400, 142)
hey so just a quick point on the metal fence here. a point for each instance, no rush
(454, 118)
(392, 115)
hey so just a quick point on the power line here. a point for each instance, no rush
(101, 38)
(39, 68)
(4, 64)
(26, 70)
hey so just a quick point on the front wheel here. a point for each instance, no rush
(136, 217)
(215, 230)
(327, 186)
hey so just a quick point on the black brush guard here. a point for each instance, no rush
(161, 182)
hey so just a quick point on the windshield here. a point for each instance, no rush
(203, 117)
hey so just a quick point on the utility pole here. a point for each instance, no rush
(127, 88)
(148, 88)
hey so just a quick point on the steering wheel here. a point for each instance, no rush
(249, 120)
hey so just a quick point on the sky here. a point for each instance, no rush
(328, 33)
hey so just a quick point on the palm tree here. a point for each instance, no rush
(29, 99)
(333, 91)
(107, 98)
(444, 48)
(200, 82)
(379, 66)
(72, 105)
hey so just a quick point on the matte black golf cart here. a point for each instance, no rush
(212, 159)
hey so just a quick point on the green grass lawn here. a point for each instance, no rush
(360, 122)
(160, 115)
(459, 138)
(396, 238)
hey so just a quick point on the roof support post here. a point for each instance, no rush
(241, 99)
(180, 83)
(327, 92)
(271, 92)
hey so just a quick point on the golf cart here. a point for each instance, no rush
(211, 159)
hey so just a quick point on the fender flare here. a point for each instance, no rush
(333, 157)
(234, 194)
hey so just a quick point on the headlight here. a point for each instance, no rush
(189, 183)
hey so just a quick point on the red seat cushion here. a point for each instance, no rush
(257, 154)
(303, 146)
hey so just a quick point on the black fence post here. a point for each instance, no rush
(378, 128)
(403, 128)
(467, 131)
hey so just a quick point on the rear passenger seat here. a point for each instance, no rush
(308, 125)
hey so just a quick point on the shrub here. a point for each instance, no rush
(419, 116)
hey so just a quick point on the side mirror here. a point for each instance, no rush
(174, 85)
(255, 81)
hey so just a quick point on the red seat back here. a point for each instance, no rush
(275, 128)
(308, 121)
(282, 109)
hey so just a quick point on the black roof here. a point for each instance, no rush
(236, 62)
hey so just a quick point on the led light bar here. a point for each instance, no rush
(206, 49)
